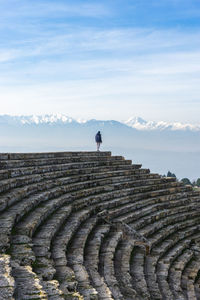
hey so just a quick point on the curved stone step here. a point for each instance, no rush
(52, 290)
(137, 272)
(164, 263)
(7, 283)
(8, 184)
(75, 258)
(197, 286)
(8, 218)
(67, 183)
(64, 274)
(91, 261)
(142, 208)
(189, 275)
(61, 170)
(106, 261)
(19, 193)
(17, 211)
(175, 274)
(149, 270)
(22, 247)
(13, 164)
(28, 285)
(64, 213)
(154, 282)
(162, 228)
(17, 172)
(43, 266)
(37, 155)
(160, 216)
(122, 263)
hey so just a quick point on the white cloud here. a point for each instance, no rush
(38, 8)
(103, 73)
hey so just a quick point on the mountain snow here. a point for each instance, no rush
(140, 124)
(134, 122)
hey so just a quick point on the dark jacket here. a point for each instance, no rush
(98, 137)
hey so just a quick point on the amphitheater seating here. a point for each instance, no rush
(88, 225)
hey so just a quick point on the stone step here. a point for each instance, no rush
(75, 258)
(197, 286)
(139, 269)
(122, 263)
(189, 275)
(7, 221)
(13, 164)
(61, 214)
(8, 198)
(91, 262)
(137, 272)
(56, 192)
(64, 169)
(152, 278)
(135, 193)
(73, 176)
(118, 164)
(158, 231)
(164, 263)
(43, 209)
(142, 208)
(30, 223)
(7, 283)
(159, 216)
(175, 274)
(143, 202)
(28, 285)
(17, 211)
(20, 244)
(106, 262)
(64, 273)
(79, 181)
(37, 155)
(4, 174)
(150, 264)
(51, 287)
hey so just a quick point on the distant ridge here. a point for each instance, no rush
(133, 122)
(141, 124)
(160, 145)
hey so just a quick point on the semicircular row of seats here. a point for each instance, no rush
(88, 225)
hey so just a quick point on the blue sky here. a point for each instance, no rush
(101, 59)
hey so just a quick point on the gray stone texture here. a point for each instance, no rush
(89, 225)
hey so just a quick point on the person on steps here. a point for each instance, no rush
(98, 140)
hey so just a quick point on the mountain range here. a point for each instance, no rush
(134, 122)
(160, 146)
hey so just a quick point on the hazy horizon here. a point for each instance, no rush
(161, 149)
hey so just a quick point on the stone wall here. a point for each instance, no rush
(88, 225)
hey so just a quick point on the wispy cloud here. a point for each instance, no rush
(38, 8)
(50, 62)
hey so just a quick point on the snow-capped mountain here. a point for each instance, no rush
(140, 124)
(135, 122)
(39, 119)
(160, 146)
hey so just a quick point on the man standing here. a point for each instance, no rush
(98, 140)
